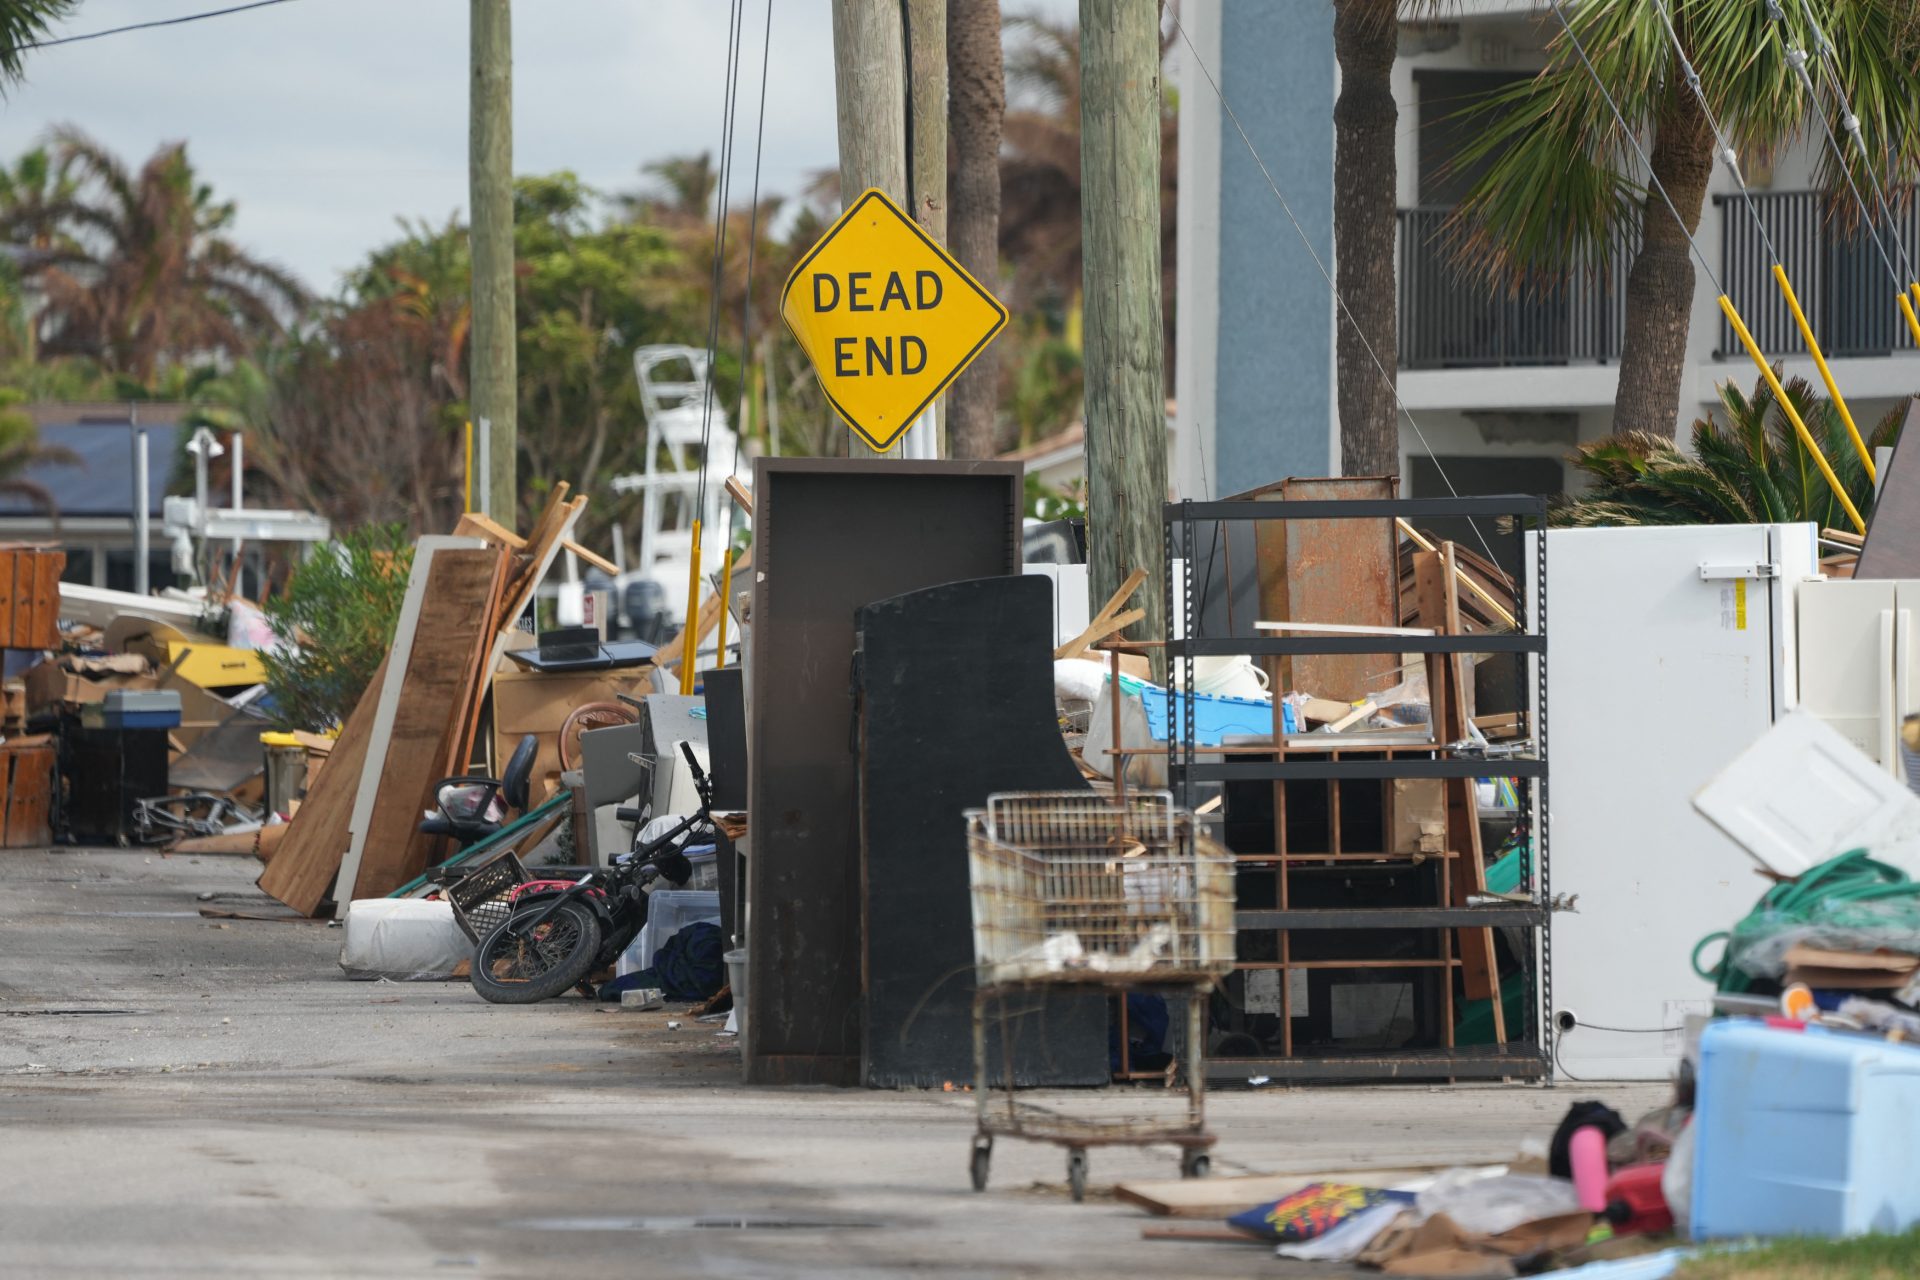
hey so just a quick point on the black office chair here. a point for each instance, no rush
(474, 807)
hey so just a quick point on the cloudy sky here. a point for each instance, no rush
(327, 119)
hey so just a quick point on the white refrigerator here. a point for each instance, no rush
(1670, 649)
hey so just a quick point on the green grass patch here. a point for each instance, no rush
(1874, 1257)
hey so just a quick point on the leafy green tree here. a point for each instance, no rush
(1751, 469)
(1561, 187)
(333, 624)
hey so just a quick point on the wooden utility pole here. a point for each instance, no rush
(976, 70)
(493, 385)
(870, 92)
(1126, 407)
(927, 139)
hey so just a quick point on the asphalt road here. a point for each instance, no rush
(184, 1096)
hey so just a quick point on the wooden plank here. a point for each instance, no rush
(1342, 629)
(456, 745)
(48, 566)
(1338, 570)
(22, 628)
(593, 558)
(6, 793)
(418, 702)
(233, 843)
(309, 855)
(475, 525)
(7, 559)
(30, 797)
(1435, 584)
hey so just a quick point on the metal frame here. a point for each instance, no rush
(1512, 1058)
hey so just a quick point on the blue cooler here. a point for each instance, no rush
(1804, 1134)
(134, 709)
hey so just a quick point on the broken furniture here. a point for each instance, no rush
(1119, 895)
(932, 748)
(27, 785)
(831, 535)
(1324, 896)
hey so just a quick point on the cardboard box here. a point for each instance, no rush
(529, 702)
(49, 687)
(1419, 804)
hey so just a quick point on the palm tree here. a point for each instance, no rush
(976, 108)
(22, 22)
(1366, 38)
(1751, 470)
(1040, 175)
(147, 276)
(1562, 185)
(681, 192)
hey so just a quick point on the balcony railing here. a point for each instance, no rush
(1452, 317)
(1836, 271)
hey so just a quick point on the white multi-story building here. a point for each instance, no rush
(1502, 388)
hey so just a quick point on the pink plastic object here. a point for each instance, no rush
(1587, 1154)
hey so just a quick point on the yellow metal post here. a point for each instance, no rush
(1826, 374)
(690, 643)
(1793, 414)
(726, 597)
(1906, 309)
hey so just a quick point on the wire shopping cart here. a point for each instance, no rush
(1124, 895)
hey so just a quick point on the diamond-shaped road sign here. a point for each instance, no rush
(887, 316)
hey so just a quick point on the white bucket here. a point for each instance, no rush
(1229, 676)
(737, 979)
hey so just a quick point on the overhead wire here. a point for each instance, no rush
(690, 638)
(1850, 122)
(1726, 303)
(1386, 378)
(159, 22)
(1723, 150)
(746, 328)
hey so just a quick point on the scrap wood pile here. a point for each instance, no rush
(419, 719)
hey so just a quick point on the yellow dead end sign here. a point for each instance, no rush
(887, 316)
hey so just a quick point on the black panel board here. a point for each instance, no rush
(726, 696)
(956, 702)
(831, 535)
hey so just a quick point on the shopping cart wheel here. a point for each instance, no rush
(982, 1157)
(1077, 1173)
(1195, 1164)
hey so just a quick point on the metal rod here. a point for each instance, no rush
(1826, 374)
(142, 517)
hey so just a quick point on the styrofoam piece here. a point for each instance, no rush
(1802, 793)
(402, 938)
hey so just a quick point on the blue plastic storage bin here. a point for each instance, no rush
(668, 912)
(1813, 1133)
(1214, 718)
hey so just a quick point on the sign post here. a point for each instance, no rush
(887, 316)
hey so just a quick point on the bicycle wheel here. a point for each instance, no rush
(540, 963)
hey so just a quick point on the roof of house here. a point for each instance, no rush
(101, 484)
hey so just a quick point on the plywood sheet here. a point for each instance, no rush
(1341, 571)
(309, 855)
(454, 618)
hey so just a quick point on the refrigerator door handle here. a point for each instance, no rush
(1902, 688)
(1888, 703)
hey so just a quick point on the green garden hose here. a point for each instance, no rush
(1830, 894)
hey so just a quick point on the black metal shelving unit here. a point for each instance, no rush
(1414, 940)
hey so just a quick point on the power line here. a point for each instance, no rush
(162, 22)
(1173, 15)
